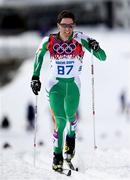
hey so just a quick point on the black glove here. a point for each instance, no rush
(93, 44)
(35, 85)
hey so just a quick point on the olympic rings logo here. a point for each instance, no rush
(64, 48)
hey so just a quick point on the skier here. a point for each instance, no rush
(66, 49)
(5, 124)
(30, 116)
(123, 102)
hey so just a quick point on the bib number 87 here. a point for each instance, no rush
(64, 70)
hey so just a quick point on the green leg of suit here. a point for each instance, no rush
(64, 101)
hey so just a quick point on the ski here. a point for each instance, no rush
(71, 166)
(66, 172)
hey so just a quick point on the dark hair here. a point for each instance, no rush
(65, 14)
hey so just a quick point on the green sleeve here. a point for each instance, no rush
(39, 59)
(100, 54)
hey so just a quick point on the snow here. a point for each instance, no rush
(22, 50)
(33, 2)
(111, 159)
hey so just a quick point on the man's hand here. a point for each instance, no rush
(93, 44)
(35, 85)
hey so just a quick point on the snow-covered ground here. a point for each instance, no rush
(111, 159)
(14, 47)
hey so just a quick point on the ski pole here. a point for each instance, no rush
(35, 131)
(93, 100)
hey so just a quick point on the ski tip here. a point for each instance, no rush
(66, 172)
(69, 173)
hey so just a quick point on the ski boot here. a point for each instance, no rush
(57, 162)
(69, 148)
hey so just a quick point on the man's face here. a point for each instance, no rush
(66, 27)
